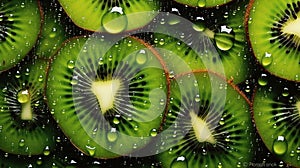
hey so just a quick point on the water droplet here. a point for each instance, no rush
(23, 96)
(199, 26)
(222, 121)
(71, 64)
(285, 92)
(115, 21)
(46, 151)
(171, 74)
(280, 145)
(179, 162)
(220, 165)
(267, 59)
(21, 142)
(116, 120)
(18, 74)
(162, 102)
(174, 21)
(298, 150)
(153, 132)
(91, 150)
(112, 135)
(292, 154)
(262, 81)
(39, 161)
(27, 71)
(141, 57)
(41, 78)
(225, 38)
(58, 139)
(162, 41)
(74, 81)
(100, 62)
(201, 3)
(197, 98)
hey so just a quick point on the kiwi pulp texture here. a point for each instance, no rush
(208, 123)
(203, 3)
(106, 101)
(20, 22)
(27, 127)
(274, 37)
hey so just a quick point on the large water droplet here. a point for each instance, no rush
(201, 3)
(267, 59)
(280, 145)
(71, 64)
(262, 81)
(224, 38)
(179, 162)
(141, 57)
(23, 96)
(112, 135)
(153, 132)
(115, 20)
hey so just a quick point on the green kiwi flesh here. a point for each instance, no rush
(26, 124)
(107, 103)
(208, 123)
(276, 112)
(20, 22)
(110, 16)
(203, 3)
(274, 37)
(53, 32)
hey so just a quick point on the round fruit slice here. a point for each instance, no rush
(26, 125)
(203, 3)
(19, 29)
(276, 112)
(208, 123)
(107, 95)
(274, 36)
(110, 16)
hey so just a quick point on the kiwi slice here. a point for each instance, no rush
(274, 36)
(20, 22)
(53, 32)
(107, 94)
(26, 125)
(208, 123)
(276, 112)
(203, 3)
(110, 16)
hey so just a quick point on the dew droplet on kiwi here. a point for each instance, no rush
(112, 135)
(46, 151)
(224, 39)
(153, 132)
(199, 26)
(280, 145)
(71, 64)
(23, 96)
(39, 161)
(141, 57)
(91, 150)
(115, 21)
(21, 142)
(285, 92)
(173, 21)
(18, 74)
(201, 3)
(262, 81)
(179, 162)
(267, 59)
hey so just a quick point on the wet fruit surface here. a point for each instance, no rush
(149, 83)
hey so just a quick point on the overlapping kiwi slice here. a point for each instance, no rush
(20, 22)
(204, 3)
(208, 123)
(26, 127)
(106, 94)
(276, 112)
(110, 16)
(274, 36)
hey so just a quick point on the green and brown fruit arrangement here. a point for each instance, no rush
(213, 83)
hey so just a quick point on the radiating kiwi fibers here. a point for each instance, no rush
(113, 16)
(26, 126)
(209, 123)
(20, 22)
(107, 103)
(276, 112)
(275, 37)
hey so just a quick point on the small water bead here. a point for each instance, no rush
(179, 162)
(292, 154)
(220, 165)
(46, 151)
(116, 120)
(91, 150)
(141, 57)
(222, 121)
(100, 62)
(110, 58)
(23, 96)
(173, 21)
(71, 64)
(285, 92)
(162, 102)
(153, 132)
(74, 81)
(18, 74)
(298, 150)
(27, 71)
(201, 3)
(21, 142)
(267, 59)
(280, 145)
(197, 98)
(171, 74)
(115, 20)
(161, 42)
(262, 81)
(225, 38)
(41, 78)
(39, 161)
(112, 136)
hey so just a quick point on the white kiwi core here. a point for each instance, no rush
(201, 129)
(105, 91)
(292, 27)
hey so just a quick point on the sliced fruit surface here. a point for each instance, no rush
(276, 112)
(20, 22)
(27, 127)
(274, 37)
(208, 123)
(110, 16)
(107, 96)
(204, 3)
